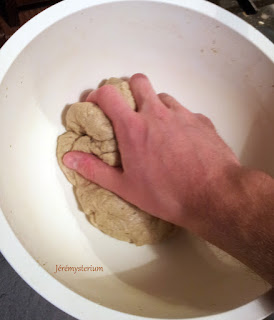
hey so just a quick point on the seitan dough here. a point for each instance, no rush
(89, 130)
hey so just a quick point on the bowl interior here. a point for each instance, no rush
(207, 67)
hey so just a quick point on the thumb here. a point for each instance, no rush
(94, 169)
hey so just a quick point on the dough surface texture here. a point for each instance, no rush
(89, 130)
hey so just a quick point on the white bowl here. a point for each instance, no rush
(213, 63)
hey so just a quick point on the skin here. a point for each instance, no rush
(176, 167)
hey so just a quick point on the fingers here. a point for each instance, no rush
(113, 104)
(95, 170)
(143, 92)
(205, 120)
(171, 103)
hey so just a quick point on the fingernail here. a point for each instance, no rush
(71, 160)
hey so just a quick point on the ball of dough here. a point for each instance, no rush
(89, 130)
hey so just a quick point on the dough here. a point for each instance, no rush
(89, 130)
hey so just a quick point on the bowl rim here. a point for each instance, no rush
(12, 249)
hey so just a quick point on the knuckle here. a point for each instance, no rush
(200, 116)
(105, 90)
(160, 111)
(169, 102)
(205, 120)
(136, 130)
(164, 98)
(138, 76)
(86, 169)
(163, 95)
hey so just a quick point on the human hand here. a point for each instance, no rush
(173, 161)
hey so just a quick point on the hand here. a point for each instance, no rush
(173, 160)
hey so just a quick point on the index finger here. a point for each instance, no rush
(113, 104)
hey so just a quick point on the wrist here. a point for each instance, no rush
(222, 197)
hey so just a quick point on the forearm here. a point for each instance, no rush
(241, 220)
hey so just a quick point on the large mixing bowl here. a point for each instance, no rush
(213, 63)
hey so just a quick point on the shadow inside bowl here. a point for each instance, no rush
(188, 278)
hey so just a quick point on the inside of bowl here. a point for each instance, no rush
(207, 67)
